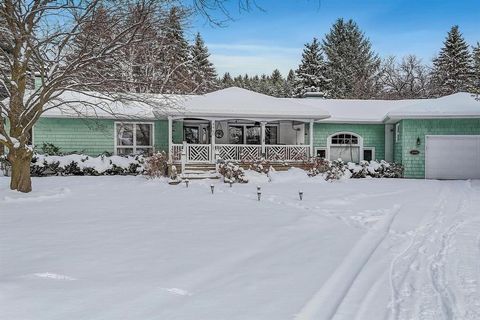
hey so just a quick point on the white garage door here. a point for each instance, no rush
(452, 157)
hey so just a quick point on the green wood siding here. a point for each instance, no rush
(373, 135)
(415, 164)
(94, 136)
(89, 136)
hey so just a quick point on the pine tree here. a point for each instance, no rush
(352, 65)
(175, 55)
(452, 68)
(277, 84)
(227, 80)
(202, 70)
(476, 68)
(311, 73)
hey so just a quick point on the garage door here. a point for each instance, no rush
(452, 157)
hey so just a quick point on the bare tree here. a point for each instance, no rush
(42, 37)
(407, 79)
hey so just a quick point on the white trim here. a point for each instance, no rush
(319, 148)
(310, 137)
(359, 144)
(134, 146)
(170, 138)
(397, 132)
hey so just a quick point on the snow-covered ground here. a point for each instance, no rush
(127, 248)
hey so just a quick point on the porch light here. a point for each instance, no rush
(300, 194)
(212, 188)
(418, 141)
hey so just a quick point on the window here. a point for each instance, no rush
(253, 135)
(397, 132)
(345, 146)
(190, 134)
(235, 134)
(133, 138)
(321, 153)
(248, 134)
(345, 139)
(369, 154)
(271, 134)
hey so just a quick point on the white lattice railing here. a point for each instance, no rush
(287, 152)
(239, 151)
(198, 153)
(176, 152)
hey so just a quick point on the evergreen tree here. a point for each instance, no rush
(476, 68)
(203, 72)
(311, 73)
(452, 68)
(227, 80)
(175, 55)
(277, 84)
(289, 84)
(352, 65)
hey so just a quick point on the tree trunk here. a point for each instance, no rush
(20, 160)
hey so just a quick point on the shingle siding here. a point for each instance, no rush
(415, 128)
(94, 136)
(373, 135)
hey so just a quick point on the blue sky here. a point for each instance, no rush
(260, 40)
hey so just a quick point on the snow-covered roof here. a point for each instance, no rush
(353, 111)
(222, 104)
(458, 105)
(240, 103)
(237, 103)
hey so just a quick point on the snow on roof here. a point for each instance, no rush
(227, 103)
(236, 102)
(377, 111)
(458, 105)
(350, 111)
(127, 106)
(240, 103)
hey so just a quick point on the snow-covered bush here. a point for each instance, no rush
(232, 172)
(77, 164)
(337, 169)
(260, 166)
(156, 166)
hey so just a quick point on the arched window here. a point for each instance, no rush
(346, 146)
(345, 139)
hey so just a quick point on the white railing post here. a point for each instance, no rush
(212, 140)
(170, 138)
(262, 136)
(184, 156)
(310, 136)
(217, 158)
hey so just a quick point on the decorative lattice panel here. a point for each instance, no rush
(198, 153)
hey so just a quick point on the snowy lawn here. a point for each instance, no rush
(127, 248)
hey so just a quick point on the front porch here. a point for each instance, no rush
(210, 140)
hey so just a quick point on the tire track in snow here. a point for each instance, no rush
(421, 269)
(326, 301)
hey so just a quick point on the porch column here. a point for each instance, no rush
(310, 136)
(170, 139)
(262, 136)
(212, 140)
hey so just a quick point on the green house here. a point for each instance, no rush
(431, 138)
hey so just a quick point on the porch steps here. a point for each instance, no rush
(199, 171)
